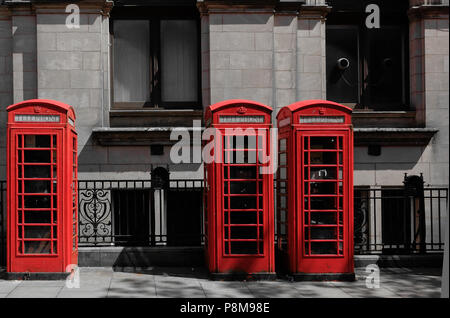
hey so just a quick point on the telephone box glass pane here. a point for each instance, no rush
(38, 156)
(41, 216)
(31, 171)
(37, 247)
(323, 158)
(242, 217)
(323, 203)
(323, 143)
(323, 173)
(243, 202)
(37, 141)
(323, 233)
(37, 201)
(37, 232)
(237, 172)
(323, 188)
(39, 186)
(323, 218)
(242, 187)
(323, 248)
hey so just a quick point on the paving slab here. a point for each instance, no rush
(34, 292)
(132, 285)
(83, 293)
(42, 283)
(217, 289)
(6, 286)
(276, 289)
(319, 289)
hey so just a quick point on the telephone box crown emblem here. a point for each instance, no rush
(242, 110)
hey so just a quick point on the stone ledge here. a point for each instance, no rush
(393, 136)
(154, 118)
(142, 136)
(414, 260)
(140, 256)
(194, 256)
(134, 136)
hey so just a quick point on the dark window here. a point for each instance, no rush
(155, 57)
(367, 68)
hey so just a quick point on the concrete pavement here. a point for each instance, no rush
(178, 282)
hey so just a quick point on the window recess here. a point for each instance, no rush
(155, 58)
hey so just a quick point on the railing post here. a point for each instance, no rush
(413, 186)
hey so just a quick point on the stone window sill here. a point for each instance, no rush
(154, 117)
(388, 119)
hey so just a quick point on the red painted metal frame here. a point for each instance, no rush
(294, 255)
(219, 255)
(61, 216)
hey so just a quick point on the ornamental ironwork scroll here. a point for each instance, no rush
(95, 216)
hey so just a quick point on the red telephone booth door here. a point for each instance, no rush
(35, 200)
(324, 191)
(245, 225)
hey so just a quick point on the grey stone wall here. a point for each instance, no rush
(436, 62)
(275, 58)
(6, 81)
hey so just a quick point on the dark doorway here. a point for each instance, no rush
(184, 210)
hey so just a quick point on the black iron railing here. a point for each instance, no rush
(139, 213)
(389, 220)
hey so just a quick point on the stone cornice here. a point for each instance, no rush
(249, 6)
(314, 12)
(86, 6)
(428, 11)
(300, 8)
(5, 13)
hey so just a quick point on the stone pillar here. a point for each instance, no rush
(240, 52)
(429, 71)
(204, 38)
(311, 59)
(24, 53)
(285, 61)
(6, 82)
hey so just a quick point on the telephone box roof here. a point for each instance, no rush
(42, 102)
(316, 102)
(226, 103)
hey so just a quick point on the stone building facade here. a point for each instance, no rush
(271, 51)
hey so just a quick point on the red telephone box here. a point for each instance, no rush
(42, 187)
(239, 194)
(315, 190)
